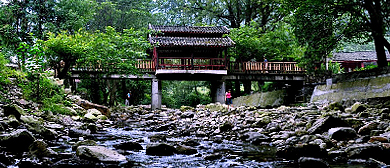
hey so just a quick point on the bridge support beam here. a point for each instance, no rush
(156, 94)
(218, 89)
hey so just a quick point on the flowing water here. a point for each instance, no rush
(236, 154)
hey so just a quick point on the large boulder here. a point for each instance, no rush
(309, 162)
(14, 110)
(358, 107)
(342, 133)
(99, 153)
(326, 123)
(365, 151)
(160, 149)
(40, 149)
(366, 129)
(294, 152)
(18, 140)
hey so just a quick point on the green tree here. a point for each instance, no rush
(71, 15)
(322, 25)
(231, 13)
(123, 14)
(109, 50)
(189, 93)
(277, 45)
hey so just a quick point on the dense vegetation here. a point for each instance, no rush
(56, 35)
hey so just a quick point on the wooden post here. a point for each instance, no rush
(225, 57)
(192, 60)
(155, 56)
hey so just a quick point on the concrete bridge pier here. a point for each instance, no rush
(218, 90)
(156, 94)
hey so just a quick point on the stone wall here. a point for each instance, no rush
(274, 98)
(354, 86)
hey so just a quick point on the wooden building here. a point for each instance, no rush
(353, 60)
(190, 47)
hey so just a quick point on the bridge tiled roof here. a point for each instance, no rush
(191, 29)
(192, 41)
(357, 56)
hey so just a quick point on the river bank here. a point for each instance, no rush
(324, 135)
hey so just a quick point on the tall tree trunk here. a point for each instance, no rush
(377, 29)
(112, 92)
(380, 51)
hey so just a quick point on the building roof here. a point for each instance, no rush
(192, 41)
(357, 56)
(191, 29)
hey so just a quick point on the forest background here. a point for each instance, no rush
(40, 34)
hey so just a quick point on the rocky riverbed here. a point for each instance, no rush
(344, 134)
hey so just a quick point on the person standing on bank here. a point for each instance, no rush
(127, 102)
(228, 98)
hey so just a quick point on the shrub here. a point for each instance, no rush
(39, 88)
(54, 105)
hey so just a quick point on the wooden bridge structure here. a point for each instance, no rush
(194, 53)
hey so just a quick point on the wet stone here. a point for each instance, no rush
(342, 133)
(160, 149)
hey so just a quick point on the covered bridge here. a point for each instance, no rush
(190, 47)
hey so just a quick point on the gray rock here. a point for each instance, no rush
(84, 143)
(186, 150)
(336, 106)
(294, 152)
(358, 107)
(342, 133)
(99, 153)
(255, 137)
(14, 110)
(158, 137)
(214, 156)
(366, 129)
(227, 126)
(18, 140)
(188, 114)
(75, 133)
(190, 142)
(309, 162)
(129, 146)
(324, 124)
(160, 149)
(40, 149)
(364, 151)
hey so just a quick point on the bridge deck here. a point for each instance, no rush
(202, 69)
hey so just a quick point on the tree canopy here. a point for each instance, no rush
(322, 25)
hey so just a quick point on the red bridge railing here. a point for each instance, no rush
(175, 63)
(265, 67)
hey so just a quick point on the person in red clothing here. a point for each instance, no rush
(228, 98)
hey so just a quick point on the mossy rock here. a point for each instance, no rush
(358, 107)
(186, 108)
(354, 123)
(14, 110)
(86, 142)
(336, 106)
(102, 117)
